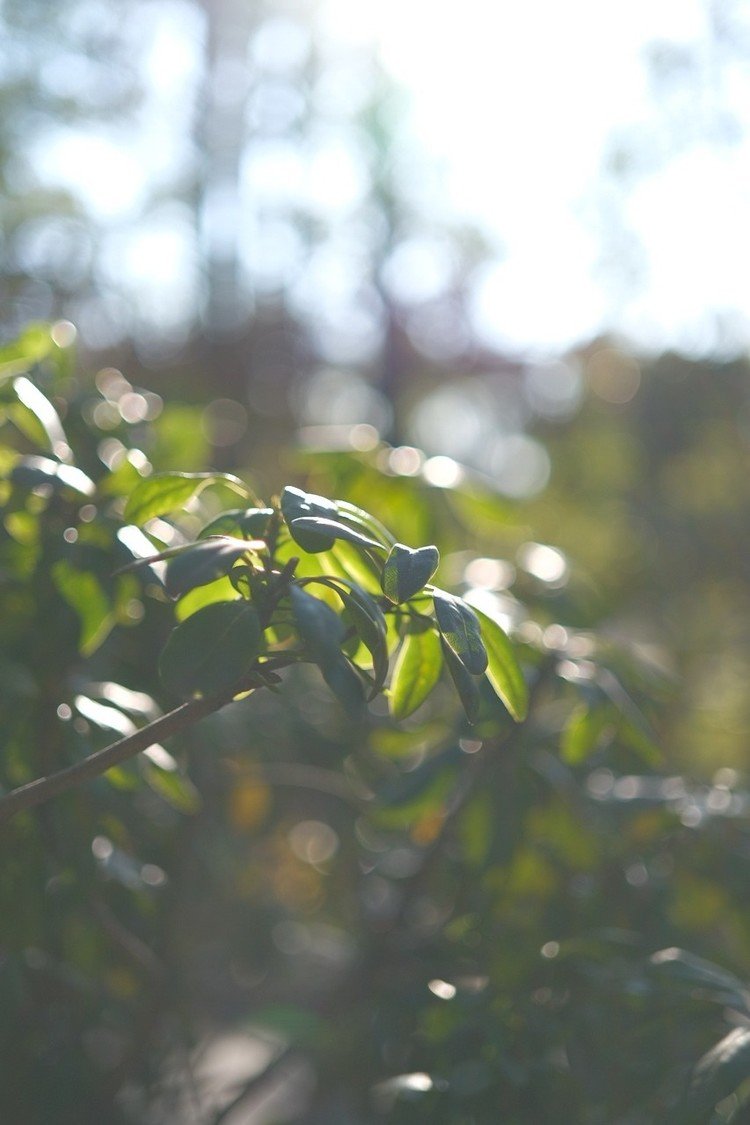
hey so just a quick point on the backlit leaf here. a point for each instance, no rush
(296, 504)
(459, 627)
(415, 672)
(407, 571)
(83, 592)
(30, 472)
(503, 670)
(327, 528)
(169, 492)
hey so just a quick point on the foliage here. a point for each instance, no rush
(416, 858)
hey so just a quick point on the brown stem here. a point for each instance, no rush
(43, 788)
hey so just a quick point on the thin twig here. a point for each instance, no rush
(43, 788)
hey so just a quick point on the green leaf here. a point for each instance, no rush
(296, 504)
(459, 627)
(30, 472)
(691, 973)
(221, 590)
(176, 789)
(329, 529)
(466, 685)
(169, 492)
(82, 591)
(252, 522)
(33, 345)
(503, 670)
(717, 1075)
(320, 627)
(583, 733)
(48, 418)
(322, 631)
(369, 623)
(203, 562)
(345, 685)
(212, 649)
(362, 519)
(416, 671)
(407, 571)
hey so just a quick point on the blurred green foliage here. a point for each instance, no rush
(316, 913)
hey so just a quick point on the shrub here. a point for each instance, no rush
(408, 847)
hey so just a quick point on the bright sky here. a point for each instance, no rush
(514, 105)
(518, 101)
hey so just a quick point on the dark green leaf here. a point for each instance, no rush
(415, 672)
(30, 472)
(466, 685)
(717, 1075)
(688, 971)
(459, 627)
(252, 522)
(169, 492)
(407, 571)
(322, 631)
(202, 562)
(296, 504)
(319, 626)
(329, 529)
(367, 618)
(345, 685)
(503, 670)
(211, 650)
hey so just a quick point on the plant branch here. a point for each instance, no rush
(43, 788)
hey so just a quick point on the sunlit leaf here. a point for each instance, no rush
(83, 592)
(221, 590)
(363, 520)
(43, 410)
(407, 571)
(416, 671)
(296, 504)
(503, 670)
(171, 784)
(583, 733)
(459, 627)
(329, 529)
(212, 649)
(33, 345)
(169, 492)
(32, 471)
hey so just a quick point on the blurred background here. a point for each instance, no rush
(508, 239)
(511, 235)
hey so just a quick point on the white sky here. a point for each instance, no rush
(514, 104)
(517, 101)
